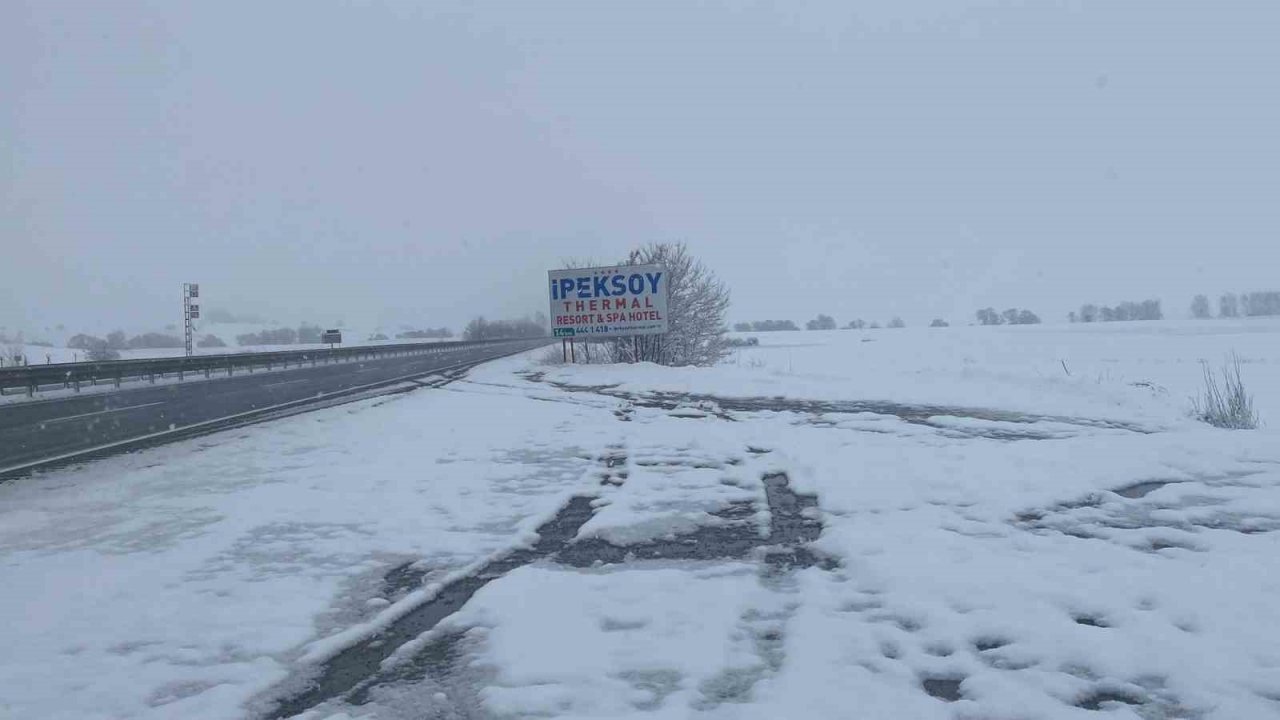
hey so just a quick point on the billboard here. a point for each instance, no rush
(605, 302)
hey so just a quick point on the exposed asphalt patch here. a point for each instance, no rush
(358, 666)
(793, 523)
(1142, 489)
(913, 414)
(946, 689)
(353, 673)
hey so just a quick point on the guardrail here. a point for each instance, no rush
(37, 378)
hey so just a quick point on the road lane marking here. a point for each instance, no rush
(287, 382)
(101, 412)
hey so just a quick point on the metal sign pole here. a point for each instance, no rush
(186, 317)
(190, 312)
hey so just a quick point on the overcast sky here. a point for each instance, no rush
(422, 162)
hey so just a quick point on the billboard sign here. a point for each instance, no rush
(331, 337)
(605, 302)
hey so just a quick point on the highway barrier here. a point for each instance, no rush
(31, 379)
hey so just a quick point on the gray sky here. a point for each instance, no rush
(423, 162)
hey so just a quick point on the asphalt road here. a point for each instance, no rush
(42, 429)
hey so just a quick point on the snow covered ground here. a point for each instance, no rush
(884, 524)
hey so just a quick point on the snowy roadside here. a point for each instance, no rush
(801, 542)
(179, 581)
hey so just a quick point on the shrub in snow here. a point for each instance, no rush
(1226, 405)
(939, 322)
(897, 323)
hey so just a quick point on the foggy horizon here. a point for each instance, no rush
(385, 164)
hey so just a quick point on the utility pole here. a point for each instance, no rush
(190, 311)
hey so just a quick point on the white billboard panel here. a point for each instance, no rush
(608, 301)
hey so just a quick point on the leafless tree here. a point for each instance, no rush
(696, 305)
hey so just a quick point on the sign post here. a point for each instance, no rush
(605, 302)
(190, 311)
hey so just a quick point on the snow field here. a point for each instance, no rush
(1026, 546)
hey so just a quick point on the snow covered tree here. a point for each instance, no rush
(897, 323)
(1026, 317)
(989, 316)
(1260, 304)
(939, 322)
(822, 322)
(1229, 306)
(1200, 307)
(696, 304)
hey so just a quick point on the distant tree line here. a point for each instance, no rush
(1230, 305)
(482, 329)
(117, 340)
(304, 334)
(442, 332)
(1012, 316)
(1144, 310)
(766, 326)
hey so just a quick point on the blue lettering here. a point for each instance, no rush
(555, 290)
(599, 286)
(619, 285)
(635, 284)
(566, 287)
(584, 287)
(653, 281)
